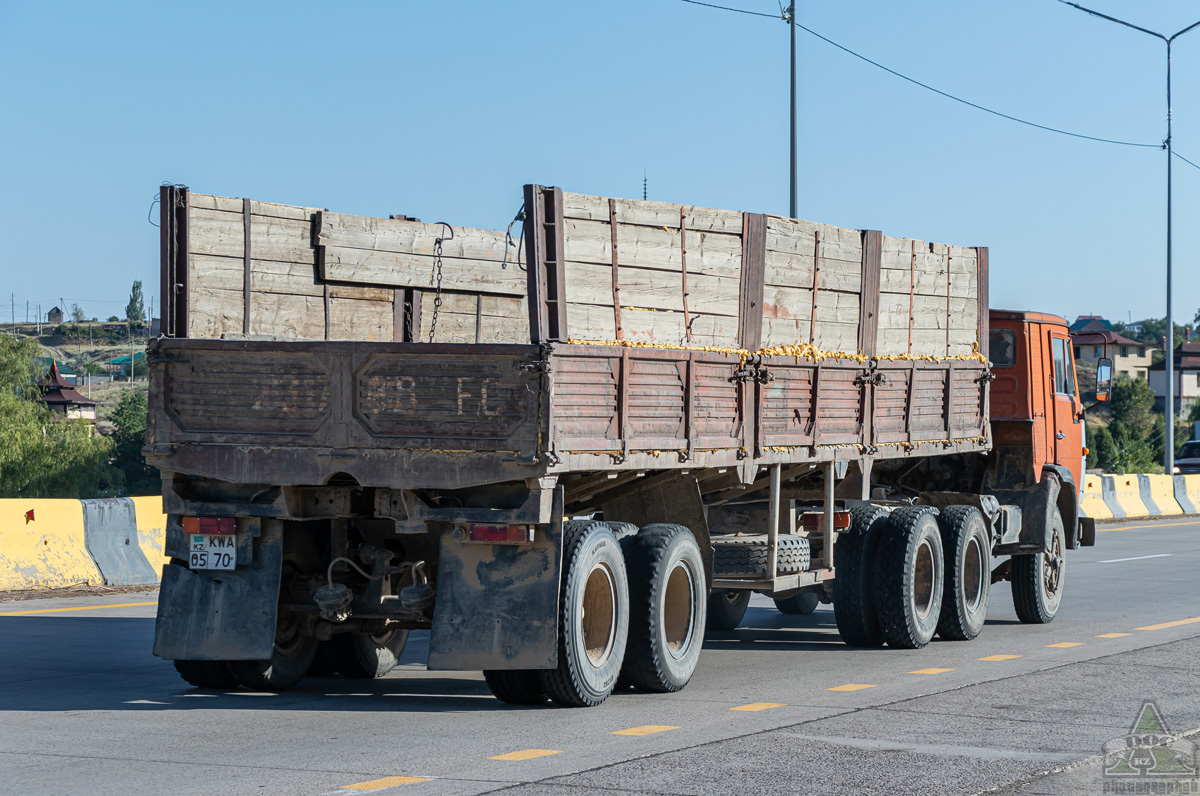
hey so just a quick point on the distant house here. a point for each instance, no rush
(54, 316)
(120, 365)
(1136, 326)
(1187, 378)
(1129, 357)
(1090, 323)
(59, 396)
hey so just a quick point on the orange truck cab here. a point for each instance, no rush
(1038, 455)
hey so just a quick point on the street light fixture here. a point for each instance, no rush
(1169, 407)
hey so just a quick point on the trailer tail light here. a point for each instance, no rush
(210, 525)
(813, 521)
(494, 534)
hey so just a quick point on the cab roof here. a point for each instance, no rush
(1027, 317)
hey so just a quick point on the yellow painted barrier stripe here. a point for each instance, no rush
(931, 671)
(851, 687)
(385, 782)
(527, 754)
(1176, 623)
(1000, 658)
(1113, 635)
(1065, 644)
(1147, 527)
(78, 608)
(645, 729)
(754, 707)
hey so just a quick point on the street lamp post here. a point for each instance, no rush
(1169, 407)
(793, 211)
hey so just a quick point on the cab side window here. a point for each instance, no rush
(1064, 374)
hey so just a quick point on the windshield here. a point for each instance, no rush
(1190, 450)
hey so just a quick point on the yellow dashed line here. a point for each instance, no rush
(1000, 657)
(931, 671)
(851, 687)
(527, 754)
(754, 707)
(1063, 644)
(645, 729)
(1113, 635)
(385, 782)
(78, 608)
(1176, 623)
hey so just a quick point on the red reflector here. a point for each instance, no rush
(498, 533)
(210, 525)
(841, 519)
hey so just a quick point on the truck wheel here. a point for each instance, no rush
(516, 687)
(667, 595)
(594, 619)
(294, 650)
(365, 656)
(726, 608)
(1037, 580)
(967, 546)
(746, 555)
(803, 603)
(909, 575)
(213, 675)
(854, 595)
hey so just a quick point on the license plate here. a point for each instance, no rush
(213, 551)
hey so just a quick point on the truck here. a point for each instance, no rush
(569, 453)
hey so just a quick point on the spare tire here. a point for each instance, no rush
(746, 556)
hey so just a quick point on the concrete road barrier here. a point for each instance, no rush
(1187, 493)
(42, 545)
(1091, 499)
(1123, 493)
(1159, 491)
(151, 530)
(111, 534)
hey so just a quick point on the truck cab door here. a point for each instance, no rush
(1067, 424)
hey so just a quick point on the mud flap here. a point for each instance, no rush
(497, 605)
(215, 615)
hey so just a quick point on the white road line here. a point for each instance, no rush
(1135, 558)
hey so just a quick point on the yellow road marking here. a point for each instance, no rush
(931, 671)
(1000, 657)
(1176, 623)
(1145, 527)
(385, 782)
(1113, 635)
(527, 754)
(851, 687)
(645, 729)
(1063, 644)
(78, 608)
(757, 706)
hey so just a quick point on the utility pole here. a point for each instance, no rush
(793, 211)
(1169, 403)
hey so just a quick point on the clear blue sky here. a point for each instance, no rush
(443, 110)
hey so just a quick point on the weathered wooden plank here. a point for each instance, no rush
(355, 319)
(269, 209)
(212, 313)
(751, 295)
(795, 236)
(222, 234)
(868, 314)
(796, 270)
(590, 283)
(413, 237)
(283, 315)
(502, 319)
(653, 247)
(796, 304)
(270, 276)
(652, 214)
(417, 270)
(830, 336)
(595, 322)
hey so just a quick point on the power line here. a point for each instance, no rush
(928, 87)
(1185, 160)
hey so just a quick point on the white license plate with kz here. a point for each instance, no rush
(213, 551)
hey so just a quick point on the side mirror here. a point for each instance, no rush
(1103, 379)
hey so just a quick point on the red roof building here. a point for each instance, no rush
(61, 397)
(1129, 357)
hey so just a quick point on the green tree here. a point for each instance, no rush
(77, 314)
(1135, 433)
(129, 417)
(134, 310)
(113, 319)
(43, 454)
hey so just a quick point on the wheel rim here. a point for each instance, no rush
(598, 620)
(1052, 567)
(973, 574)
(925, 577)
(732, 596)
(679, 609)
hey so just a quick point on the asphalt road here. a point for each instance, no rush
(778, 706)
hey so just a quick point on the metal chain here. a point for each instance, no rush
(437, 267)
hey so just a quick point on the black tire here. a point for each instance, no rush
(803, 603)
(726, 608)
(622, 531)
(294, 650)
(854, 596)
(591, 644)
(667, 595)
(909, 578)
(213, 675)
(516, 687)
(746, 556)
(966, 543)
(1038, 580)
(365, 656)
